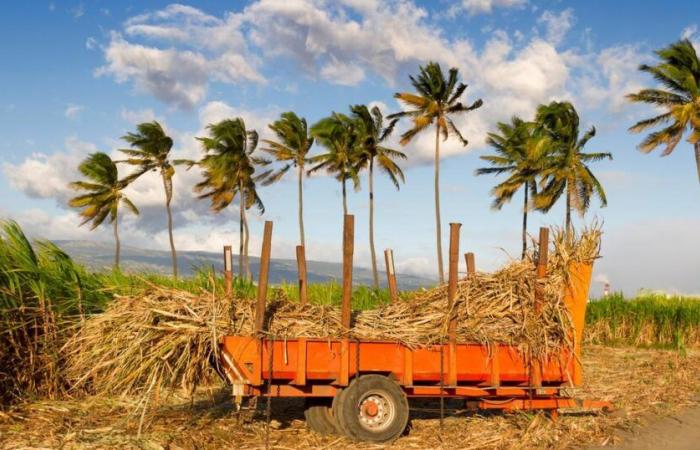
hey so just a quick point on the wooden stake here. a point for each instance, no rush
(228, 269)
(543, 252)
(391, 275)
(471, 265)
(301, 269)
(263, 277)
(451, 294)
(348, 248)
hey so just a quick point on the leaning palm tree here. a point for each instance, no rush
(291, 147)
(229, 170)
(679, 97)
(520, 152)
(338, 134)
(373, 133)
(566, 170)
(103, 195)
(150, 152)
(437, 101)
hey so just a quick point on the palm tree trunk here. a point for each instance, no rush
(168, 185)
(345, 199)
(568, 211)
(246, 259)
(527, 185)
(117, 244)
(438, 233)
(375, 276)
(301, 206)
(241, 213)
(697, 158)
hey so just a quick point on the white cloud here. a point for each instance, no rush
(47, 176)
(384, 37)
(72, 111)
(342, 73)
(557, 25)
(474, 7)
(78, 11)
(626, 254)
(691, 32)
(135, 117)
(91, 43)
(198, 48)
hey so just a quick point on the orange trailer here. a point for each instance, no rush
(360, 387)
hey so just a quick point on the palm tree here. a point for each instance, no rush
(373, 132)
(103, 197)
(338, 134)
(679, 72)
(520, 152)
(292, 147)
(229, 170)
(566, 169)
(150, 152)
(437, 101)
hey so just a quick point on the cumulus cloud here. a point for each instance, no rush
(43, 175)
(209, 49)
(72, 111)
(379, 36)
(474, 7)
(557, 25)
(139, 116)
(47, 175)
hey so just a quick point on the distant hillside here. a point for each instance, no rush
(100, 256)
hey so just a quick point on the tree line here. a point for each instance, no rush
(543, 157)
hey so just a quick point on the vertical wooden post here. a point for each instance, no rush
(543, 251)
(263, 276)
(228, 269)
(301, 270)
(471, 265)
(391, 275)
(451, 294)
(348, 248)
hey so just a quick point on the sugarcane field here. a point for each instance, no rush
(312, 224)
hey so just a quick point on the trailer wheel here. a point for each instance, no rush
(372, 408)
(319, 416)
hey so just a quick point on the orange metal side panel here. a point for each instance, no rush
(306, 360)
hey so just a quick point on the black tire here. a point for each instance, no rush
(372, 408)
(319, 416)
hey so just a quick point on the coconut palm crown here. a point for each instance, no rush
(678, 95)
(437, 100)
(229, 170)
(150, 152)
(520, 152)
(566, 171)
(373, 133)
(339, 135)
(104, 194)
(291, 147)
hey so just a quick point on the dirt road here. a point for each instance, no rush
(677, 432)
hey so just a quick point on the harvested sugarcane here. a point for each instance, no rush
(165, 338)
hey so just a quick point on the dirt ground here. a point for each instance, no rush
(645, 386)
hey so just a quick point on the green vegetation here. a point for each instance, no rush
(647, 320)
(150, 152)
(437, 100)
(678, 72)
(104, 194)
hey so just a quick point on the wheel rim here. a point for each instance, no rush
(376, 410)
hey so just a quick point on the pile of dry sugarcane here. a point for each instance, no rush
(165, 338)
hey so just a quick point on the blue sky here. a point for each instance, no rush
(78, 75)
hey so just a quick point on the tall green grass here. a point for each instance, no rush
(648, 320)
(41, 291)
